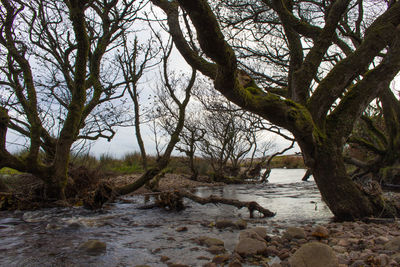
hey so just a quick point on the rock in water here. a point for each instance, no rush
(314, 254)
(320, 232)
(93, 247)
(252, 242)
(249, 247)
(294, 233)
(209, 241)
(221, 224)
(241, 224)
(221, 259)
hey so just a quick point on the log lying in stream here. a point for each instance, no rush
(170, 198)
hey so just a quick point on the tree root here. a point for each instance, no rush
(96, 198)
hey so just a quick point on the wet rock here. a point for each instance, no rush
(354, 255)
(249, 247)
(164, 258)
(74, 225)
(216, 249)
(339, 249)
(314, 254)
(52, 226)
(177, 265)
(236, 256)
(235, 263)
(320, 231)
(353, 241)
(396, 257)
(156, 250)
(284, 254)
(93, 247)
(209, 241)
(271, 250)
(294, 233)
(393, 245)
(210, 264)
(358, 263)
(253, 234)
(221, 224)
(182, 229)
(220, 259)
(261, 231)
(241, 224)
(150, 225)
(381, 240)
(383, 259)
(343, 242)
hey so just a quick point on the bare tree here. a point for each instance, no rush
(134, 60)
(169, 96)
(54, 77)
(231, 138)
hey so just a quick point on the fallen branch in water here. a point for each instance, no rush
(251, 205)
(172, 200)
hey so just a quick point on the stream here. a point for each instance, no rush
(51, 237)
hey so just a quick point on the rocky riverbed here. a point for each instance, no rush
(122, 234)
(354, 244)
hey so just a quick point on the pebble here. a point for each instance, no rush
(164, 258)
(220, 259)
(355, 244)
(320, 232)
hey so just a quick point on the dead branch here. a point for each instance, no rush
(172, 200)
(251, 205)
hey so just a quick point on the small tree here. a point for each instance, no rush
(231, 137)
(191, 135)
(170, 97)
(134, 60)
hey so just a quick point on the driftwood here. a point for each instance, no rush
(307, 175)
(251, 205)
(172, 200)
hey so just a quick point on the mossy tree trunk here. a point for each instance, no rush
(346, 199)
(320, 118)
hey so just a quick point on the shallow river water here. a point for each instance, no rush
(51, 237)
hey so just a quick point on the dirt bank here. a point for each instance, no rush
(171, 181)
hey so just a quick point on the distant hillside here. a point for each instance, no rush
(288, 161)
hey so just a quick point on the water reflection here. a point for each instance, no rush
(292, 199)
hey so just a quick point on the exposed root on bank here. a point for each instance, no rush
(102, 194)
(172, 200)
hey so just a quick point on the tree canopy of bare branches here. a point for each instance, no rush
(325, 62)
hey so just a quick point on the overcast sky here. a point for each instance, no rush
(125, 142)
